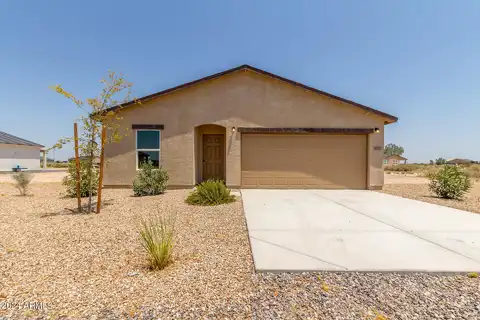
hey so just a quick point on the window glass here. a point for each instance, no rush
(148, 147)
(144, 156)
(148, 139)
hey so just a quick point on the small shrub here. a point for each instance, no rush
(210, 193)
(450, 182)
(156, 237)
(57, 165)
(474, 171)
(403, 167)
(70, 181)
(472, 275)
(22, 181)
(430, 170)
(150, 181)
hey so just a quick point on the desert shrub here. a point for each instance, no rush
(430, 170)
(58, 165)
(403, 167)
(474, 171)
(150, 181)
(70, 181)
(22, 181)
(210, 193)
(450, 182)
(156, 237)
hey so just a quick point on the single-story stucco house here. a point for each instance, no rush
(393, 160)
(252, 129)
(17, 152)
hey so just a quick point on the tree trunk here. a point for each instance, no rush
(90, 167)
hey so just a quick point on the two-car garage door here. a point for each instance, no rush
(330, 161)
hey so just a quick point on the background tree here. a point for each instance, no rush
(440, 161)
(95, 117)
(392, 149)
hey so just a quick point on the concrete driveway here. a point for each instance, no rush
(351, 230)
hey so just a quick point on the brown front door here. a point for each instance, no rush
(213, 157)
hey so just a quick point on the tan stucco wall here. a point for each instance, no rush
(241, 99)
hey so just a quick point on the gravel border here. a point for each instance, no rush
(420, 192)
(330, 295)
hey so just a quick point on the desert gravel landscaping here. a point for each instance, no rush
(82, 265)
(93, 267)
(420, 191)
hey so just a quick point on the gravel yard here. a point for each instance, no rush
(92, 265)
(82, 265)
(420, 191)
(49, 175)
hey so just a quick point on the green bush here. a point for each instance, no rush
(70, 181)
(156, 237)
(450, 182)
(210, 193)
(22, 181)
(150, 181)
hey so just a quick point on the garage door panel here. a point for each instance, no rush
(303, 161)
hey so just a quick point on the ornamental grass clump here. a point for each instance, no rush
(156, 237)
(210, 193)
(22, 181)
(450, 182)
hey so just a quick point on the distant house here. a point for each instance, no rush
(394, 160)
(459, 161)
(18, 152)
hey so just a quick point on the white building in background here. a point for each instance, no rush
(18, 152)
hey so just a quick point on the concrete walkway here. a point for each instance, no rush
(350, 230)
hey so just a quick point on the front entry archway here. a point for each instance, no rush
(210, 152)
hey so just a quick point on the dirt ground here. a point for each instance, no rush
(404, 179)
(414, 187)
(54, 175)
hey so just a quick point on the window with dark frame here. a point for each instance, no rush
(148, 147)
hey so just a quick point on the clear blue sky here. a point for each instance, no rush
(418, 60)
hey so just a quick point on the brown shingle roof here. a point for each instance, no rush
(390, 118)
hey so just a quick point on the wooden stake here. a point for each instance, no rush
(100, 178)
(77, 163)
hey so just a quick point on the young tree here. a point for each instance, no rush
(440, 161)
(116, 91)
(392, 149)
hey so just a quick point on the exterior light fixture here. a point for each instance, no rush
(376, 130)
(234, 129)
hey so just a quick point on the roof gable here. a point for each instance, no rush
(388, 118)
(395, 156)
